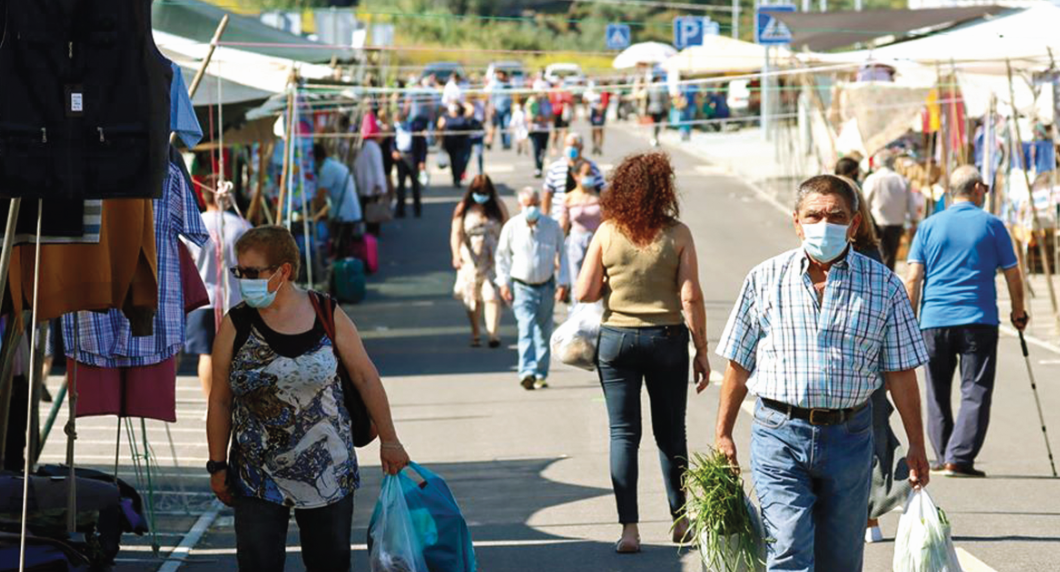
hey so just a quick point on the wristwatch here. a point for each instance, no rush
(214, 467)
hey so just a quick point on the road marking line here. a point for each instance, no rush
(970, 563)
(175, 559)
(1009, 331)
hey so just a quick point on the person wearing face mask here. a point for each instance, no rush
(954, 257)
(563, 176)
(532, 274)
(278, 430)
(811, 333)
(456, 127)
(476, 228)
(581, 216)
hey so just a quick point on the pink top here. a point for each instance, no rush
(585, 218)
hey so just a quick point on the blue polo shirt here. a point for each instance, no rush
(961, 250)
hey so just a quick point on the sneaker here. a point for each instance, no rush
(654, 142)
(541, 383)
(537, 173)
(873, 535)
(962, 471)
(527, 382)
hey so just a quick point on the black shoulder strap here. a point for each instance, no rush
(243, 320)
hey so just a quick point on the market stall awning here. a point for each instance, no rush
(644, 53)
(264, 73)
(197, 20)
(720, 55)
(209, 93)
(817, 31)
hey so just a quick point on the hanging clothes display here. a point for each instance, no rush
(146, 391)
(107, 340)
(118, 272)
(182, 119)
(63, 222)
(85, 107)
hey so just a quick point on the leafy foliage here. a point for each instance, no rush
(717, 510)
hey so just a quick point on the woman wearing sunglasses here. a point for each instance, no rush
(277, 397)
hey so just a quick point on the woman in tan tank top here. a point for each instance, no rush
(642, 264)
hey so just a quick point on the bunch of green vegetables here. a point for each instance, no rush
(721, 524)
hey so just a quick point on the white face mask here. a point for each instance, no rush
(825, 241)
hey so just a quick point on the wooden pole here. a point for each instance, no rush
(1035, 224)
(289, 132)
(264, 157)
(194, 87)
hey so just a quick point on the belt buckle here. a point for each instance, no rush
(814, 412)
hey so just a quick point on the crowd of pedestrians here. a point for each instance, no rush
(826, 336)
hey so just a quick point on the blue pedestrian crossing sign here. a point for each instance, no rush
(769, 30)
(618, 36)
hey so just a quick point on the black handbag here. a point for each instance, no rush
(362, 426)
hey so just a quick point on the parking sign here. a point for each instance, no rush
(618, 36)
(769, 30)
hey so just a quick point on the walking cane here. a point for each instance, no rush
(1037, 402)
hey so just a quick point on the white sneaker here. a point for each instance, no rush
(654, 142)
(873, 535)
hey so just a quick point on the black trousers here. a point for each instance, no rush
(974, 348)
(261, 535)
(539, 139)
(890, 240)
(408, 170)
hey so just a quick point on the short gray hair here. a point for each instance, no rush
(828, 185)
(964, 179)
(529, 193)
(887, 158)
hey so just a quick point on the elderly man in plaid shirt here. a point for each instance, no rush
(810, 335)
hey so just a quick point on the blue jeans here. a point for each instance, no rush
(533, 307)
(261, 535)
(813, 483)
(502, 120)
(658, 358)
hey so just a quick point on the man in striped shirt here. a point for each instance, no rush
(560, 178)
(810, 335)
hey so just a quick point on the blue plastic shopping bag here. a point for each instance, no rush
(439, 525)
(393, 542)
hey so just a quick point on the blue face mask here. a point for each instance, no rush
(588, 182)
(532, 213)
(256, 292)
(824, 241)
(572, 153)
(480, 198)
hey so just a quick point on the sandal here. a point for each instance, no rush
(476, 342)
(627, 547)
(494, 344)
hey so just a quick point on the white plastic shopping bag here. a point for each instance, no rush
(393, 545)
(923, 542)
(574, 341)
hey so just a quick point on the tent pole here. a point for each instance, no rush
(195, 81)
(289, 130)
(12, 338)
(1035, 223)
(28, 466)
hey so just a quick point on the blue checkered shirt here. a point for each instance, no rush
(106, 339)
(822, 355)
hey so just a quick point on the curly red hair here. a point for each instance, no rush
(641, 198)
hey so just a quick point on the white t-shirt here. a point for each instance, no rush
(206, 256)
(452, 94)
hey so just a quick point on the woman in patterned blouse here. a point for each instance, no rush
(278, 396)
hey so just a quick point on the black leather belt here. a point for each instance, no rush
(814, 416)
(524, 283)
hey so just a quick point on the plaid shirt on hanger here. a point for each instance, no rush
(826, 354)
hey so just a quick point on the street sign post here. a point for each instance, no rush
(691, 30)
(769, 30)
(618, 36)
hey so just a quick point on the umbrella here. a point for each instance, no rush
(643, 53)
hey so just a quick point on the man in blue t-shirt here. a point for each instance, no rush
(956, 255)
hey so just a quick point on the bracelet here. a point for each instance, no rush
(393, 446)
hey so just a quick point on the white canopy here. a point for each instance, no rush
(720, 55)
(644, 53)
(257, 71)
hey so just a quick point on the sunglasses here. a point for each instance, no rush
(250, 272)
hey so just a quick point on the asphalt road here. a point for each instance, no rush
(530, 468)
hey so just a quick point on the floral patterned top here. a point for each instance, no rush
(291, 436)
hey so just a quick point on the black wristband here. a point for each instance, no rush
(214, 467)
